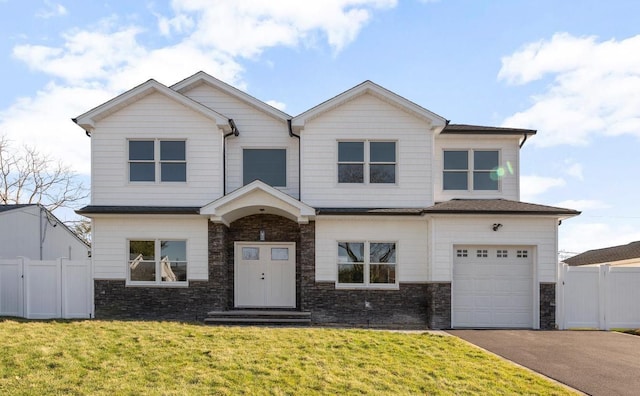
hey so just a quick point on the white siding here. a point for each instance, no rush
(509, 187)
(156, 117)
(257, 130)
(540, 233)
(410, 234)
(20, 236)
(367, 117)
(110, 237)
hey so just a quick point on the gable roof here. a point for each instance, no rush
(606, 255)
(257, 197)
(368, 87)
(87, 120)
(497, 206)
(6, 208)
(204, 78)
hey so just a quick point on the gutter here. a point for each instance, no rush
(524, 140)
(234, 132)
(85, 131)
(291, 134)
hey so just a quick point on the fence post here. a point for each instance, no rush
(603, 277)
(560, 307)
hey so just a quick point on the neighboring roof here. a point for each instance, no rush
(606, 255)
(204, 78)
(88, 119)
(496, 206)
(154, 210)
(6, 208)
(464, 129)
(371, 211)
(368, 87)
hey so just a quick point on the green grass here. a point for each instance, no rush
(168, 358)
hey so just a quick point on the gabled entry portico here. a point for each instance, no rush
(260, 228)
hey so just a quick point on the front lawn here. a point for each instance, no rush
(168, 358)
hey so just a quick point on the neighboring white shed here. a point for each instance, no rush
(30, 230)
(616, 256)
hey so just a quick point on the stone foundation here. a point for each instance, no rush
(439, 305)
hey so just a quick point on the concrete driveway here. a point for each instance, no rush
(594, 362)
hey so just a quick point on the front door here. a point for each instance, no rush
(265, 275)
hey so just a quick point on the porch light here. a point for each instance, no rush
(496, 226)
(262, 235)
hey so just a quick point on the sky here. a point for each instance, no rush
(569, 69)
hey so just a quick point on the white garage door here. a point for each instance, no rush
(492, 287)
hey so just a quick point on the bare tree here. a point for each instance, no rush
(82, 228)
(28, 176)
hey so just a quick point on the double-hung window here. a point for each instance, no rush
(366, 263)
(471, 170)
(163, 160)
(157, 262)
(372, 162)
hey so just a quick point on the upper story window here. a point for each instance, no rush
(367, 263)
(367, 162)
(157, 261)
(471, 170)
(268, 165)
(151, 160)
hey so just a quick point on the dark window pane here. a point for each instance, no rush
(172, 151)
(382, 151)
(485, 160)
(454, 181)
(173, 172)
(351, 252)
(144, 248)
(268, 165)
(174, 250)
(141, 150)
(143, 271)
(456, 160)
(350, 173)
(350, 151)
(484, 181)
(382, 173)
(382, 273)
(350, 273)
(382, 252)
(142, 171)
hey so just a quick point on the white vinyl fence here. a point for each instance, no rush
(601, 297)
(46, 289)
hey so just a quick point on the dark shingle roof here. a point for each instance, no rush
(465, 129)
(606, 255)
(179, 210)
(4, 208)
(496, 206)
(371, 211)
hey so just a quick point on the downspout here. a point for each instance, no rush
(234, 132)
(299, 159)
(524, 140)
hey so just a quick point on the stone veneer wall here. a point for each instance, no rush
(547, 306)
(439, 305)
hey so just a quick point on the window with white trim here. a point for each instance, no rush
(163, 160)
(367, 162)
(476, 170)
(267, 165)
(157, 261)
(366, 263)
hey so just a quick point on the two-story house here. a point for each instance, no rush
(367, 209)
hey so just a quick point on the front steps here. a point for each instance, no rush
(257, 317)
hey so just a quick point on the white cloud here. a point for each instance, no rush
(51, 10)
(583, 204)
(533, 186)
(575, 170)
(594, 88)
(278, 105)
(579, 237)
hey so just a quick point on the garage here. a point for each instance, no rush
(492, 287)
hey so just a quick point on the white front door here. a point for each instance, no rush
(265, 275)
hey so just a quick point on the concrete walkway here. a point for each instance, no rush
(594, 362)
